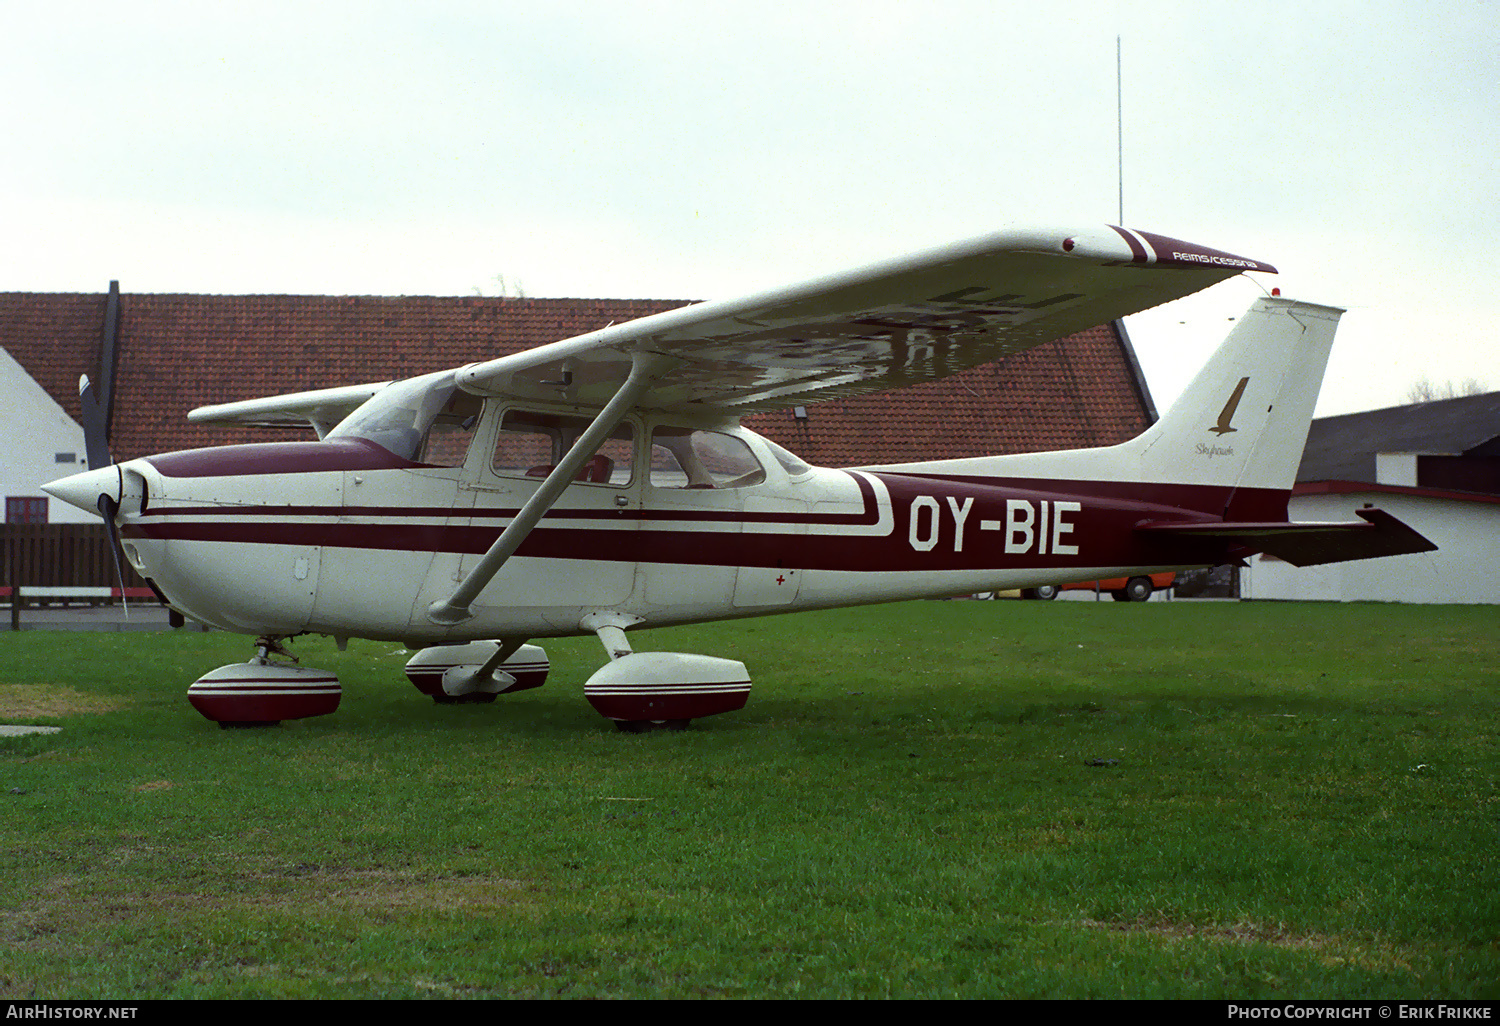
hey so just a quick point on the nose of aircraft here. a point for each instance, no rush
(83, 490)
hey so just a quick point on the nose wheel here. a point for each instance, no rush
(263, 692)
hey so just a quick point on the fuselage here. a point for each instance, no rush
(674, 522)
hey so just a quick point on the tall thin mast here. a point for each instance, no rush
(1120, 128)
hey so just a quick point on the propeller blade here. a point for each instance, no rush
(108, 508)
(95, 442)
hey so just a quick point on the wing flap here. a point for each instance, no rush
(914, 319)
(1305, 544)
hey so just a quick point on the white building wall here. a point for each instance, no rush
(1396, 468)
(1464, 569)
(35, 433)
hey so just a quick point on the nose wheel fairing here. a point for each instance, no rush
(263, 692)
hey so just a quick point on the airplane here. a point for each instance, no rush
(604, 483)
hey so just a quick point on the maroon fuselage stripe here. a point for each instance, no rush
(1103, 528)
(1217, 501)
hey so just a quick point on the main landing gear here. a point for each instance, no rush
(478, 672)
(639, 691)
(646, 691)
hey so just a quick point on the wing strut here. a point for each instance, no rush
(645, 369)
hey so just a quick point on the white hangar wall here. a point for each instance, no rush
(1465, 568)
(35, 436)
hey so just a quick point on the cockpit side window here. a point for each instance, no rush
(531, 444)
(686, 458)
(448, 441)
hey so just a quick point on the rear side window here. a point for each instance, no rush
(684, 458)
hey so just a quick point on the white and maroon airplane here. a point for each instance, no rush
(604, 482)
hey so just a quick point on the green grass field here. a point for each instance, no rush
(935, 799)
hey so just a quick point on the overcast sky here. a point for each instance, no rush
(704, 150)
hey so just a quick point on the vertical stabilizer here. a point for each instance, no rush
(1243, 421)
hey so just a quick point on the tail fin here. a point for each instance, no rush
(1242, 423)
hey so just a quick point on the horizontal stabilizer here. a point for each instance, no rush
(1307, 544)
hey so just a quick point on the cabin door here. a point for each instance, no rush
(580, 554)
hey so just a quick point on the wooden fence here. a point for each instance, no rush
(62, 555)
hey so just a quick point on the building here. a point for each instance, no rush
(41, 444)
(1434, 465)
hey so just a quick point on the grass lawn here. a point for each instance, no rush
(934, 799)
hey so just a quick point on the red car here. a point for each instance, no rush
(1121, 589)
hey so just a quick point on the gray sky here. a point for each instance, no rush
(704, 150)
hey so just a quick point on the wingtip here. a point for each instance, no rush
(1151, 248)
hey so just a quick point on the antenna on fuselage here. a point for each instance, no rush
(1120, 128)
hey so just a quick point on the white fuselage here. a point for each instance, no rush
(341, 538)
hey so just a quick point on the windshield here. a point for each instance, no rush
(397, 418)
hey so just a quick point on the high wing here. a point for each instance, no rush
(322, 409)
(913, 319)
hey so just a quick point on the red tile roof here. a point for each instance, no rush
(1069, 394)
(178, 352)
